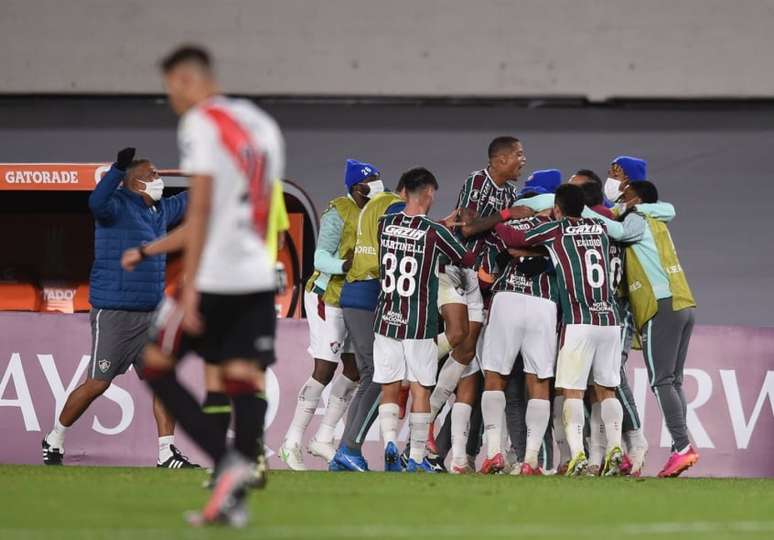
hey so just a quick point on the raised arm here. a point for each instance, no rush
(538, 203)
(101, 201)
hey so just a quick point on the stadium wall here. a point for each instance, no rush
(714, 164)
(595, 48)
(730, 404)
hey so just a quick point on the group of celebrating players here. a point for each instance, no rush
(523, 304)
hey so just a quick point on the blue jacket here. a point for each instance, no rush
(122, 220)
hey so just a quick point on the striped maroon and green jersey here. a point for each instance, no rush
(409, 250)
(482, 195)
(512, 279)
(580, 251)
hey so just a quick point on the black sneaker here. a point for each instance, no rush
(52, 456)
(177, 460)
(404, 457)
(437, 463)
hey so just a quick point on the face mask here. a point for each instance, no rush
(374, 188)
(154, 189)
(611, 189)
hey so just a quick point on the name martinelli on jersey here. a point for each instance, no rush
(408, 238)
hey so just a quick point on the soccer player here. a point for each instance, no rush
(329, 340)
(484, 193)
(522, 320)
(406, 321)
(128, 207)
(590, 341)
(359, 296)
(234, 153)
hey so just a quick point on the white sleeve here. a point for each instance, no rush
(197, 140)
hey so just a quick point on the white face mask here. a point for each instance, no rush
(612, 187)
(154, 189)
(374, 188)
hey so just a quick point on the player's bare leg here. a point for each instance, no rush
(611, 413)
(455, 317)
(493, 411)
(537, 418)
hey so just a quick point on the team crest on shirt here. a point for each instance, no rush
(104, 365)
(474, 195)
(335, 347)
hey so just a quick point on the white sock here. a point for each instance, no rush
(559, 436)
(342, 390)
(444, 347)
(573, 418)
(538, 414)
(634, 439)
(388, 422)
(308, 398)
(419, 423)
(492, 407)
(460, 425)
(447, 381)
(56, 436)
(612, 417)
(597, 436)
(165, 452)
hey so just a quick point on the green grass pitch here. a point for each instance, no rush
(131, 503)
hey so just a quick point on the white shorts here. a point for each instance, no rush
(520, 323)
(460, 286)
(328, 337)
(589, 350)
(414, 360)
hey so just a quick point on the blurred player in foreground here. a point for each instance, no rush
(406, 323)
(128, 209)
(234, 153)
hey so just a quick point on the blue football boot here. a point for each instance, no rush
(424, 466)
(392, 458)
(347, 460)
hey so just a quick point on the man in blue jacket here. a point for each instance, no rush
(128, 211)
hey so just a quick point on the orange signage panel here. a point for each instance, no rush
(51, 176)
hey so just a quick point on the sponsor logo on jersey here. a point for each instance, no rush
(394, 317)
(474, 194)
(520, 224)
(586, 228)
(404, 232)
(598, 307)
(365, 250)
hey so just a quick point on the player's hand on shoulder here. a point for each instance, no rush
(520, 212)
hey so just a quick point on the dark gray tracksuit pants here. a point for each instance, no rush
(631, 419)
(364, 407)
(665, 340)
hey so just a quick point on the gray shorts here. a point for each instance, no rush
(117, 341)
